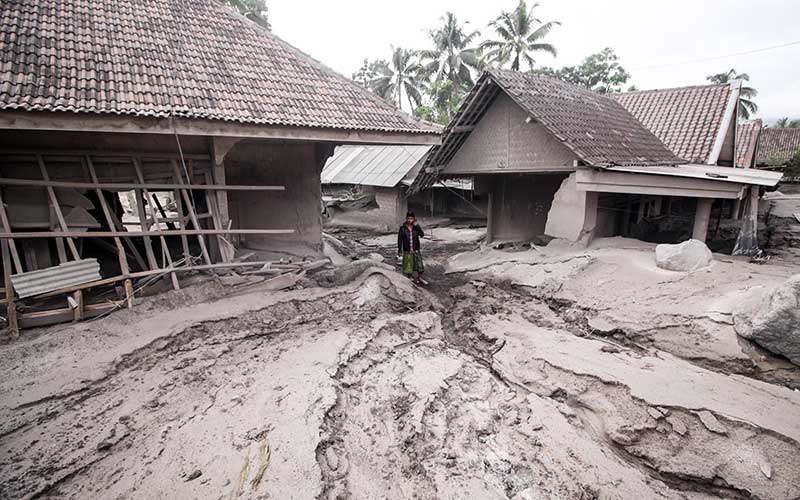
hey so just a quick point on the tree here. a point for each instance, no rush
(368, 71)
(444, 98)
(452, 58)
(792, 170)
(746, 105)
(255, 10)
(519, 34)
(786, 123)
(600, 72)
(402, 73)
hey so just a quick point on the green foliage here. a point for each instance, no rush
(787, 123)
(792, 170)
(518, 36)
(452, 57)
(255, 10)
(368, 71)
(600, 72)
(747, 106)
(403, 73)
(444, 98)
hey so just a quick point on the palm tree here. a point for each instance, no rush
(746, 94)
(786, 123)
(519, 35)
(402, 73)
(453, 58)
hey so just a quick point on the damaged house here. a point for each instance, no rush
(366, 184)
(558, 160)
(212, 130)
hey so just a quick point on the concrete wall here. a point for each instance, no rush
(392, 206)
(295, 165)
(566, 216)
(728, 151)
(503, 142)
(520, 203)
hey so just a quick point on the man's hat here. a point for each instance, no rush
(410, 214)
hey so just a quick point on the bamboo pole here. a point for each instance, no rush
(192, 215)
(123, 259)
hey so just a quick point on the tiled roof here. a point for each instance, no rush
(687, 119)
(777, 145)
(185, 58)
(383, 166)
(746, 140)
(595, 127)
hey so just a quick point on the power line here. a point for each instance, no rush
(691, 61)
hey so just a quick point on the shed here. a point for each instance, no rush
(181, 100)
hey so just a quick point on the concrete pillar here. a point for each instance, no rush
(489, 218)
(701, 218)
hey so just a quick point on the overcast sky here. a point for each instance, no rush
(659, 42)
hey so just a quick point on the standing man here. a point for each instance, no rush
(408, 246)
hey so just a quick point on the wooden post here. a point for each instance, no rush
(225, 248)
(57, 208)
(143, 221)
(164, 246)
(123, 259)
(701, 218)
(7, 227)
(77, 312)
(187, 255)
(13, 327)
(192, 215)
(129, 292)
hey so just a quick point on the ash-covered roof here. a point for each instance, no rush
(594, 126)
(746, 140)
(383, 166)
(691, 121)
(184, 58)
(777, 145)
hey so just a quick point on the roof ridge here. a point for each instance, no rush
(667, 89)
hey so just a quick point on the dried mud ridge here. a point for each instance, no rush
(422, 409)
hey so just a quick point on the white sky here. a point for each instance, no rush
(644, 33)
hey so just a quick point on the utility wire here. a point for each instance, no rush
(691, 61)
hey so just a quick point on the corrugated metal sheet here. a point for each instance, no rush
(723, 174)
(54, 278)
(383, 166)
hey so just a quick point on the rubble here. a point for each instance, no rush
(690, 255)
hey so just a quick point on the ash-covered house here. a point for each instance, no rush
(187, 97)
(368, 186)
(559, 160)
(776, 146)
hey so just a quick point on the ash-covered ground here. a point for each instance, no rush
(525, 373)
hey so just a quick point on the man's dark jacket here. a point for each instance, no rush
(403, 243)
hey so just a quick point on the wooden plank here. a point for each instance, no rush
(77, 311)
(103, 154)
(187, 255)
(128, 186)
(143, 221)
(136, 234)
(164, 247)
(226, 250)
(54, 203)
(11, 308)
(123, 259)
(120, 232)
(192, 215)
(90, 122)
(7, 228)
